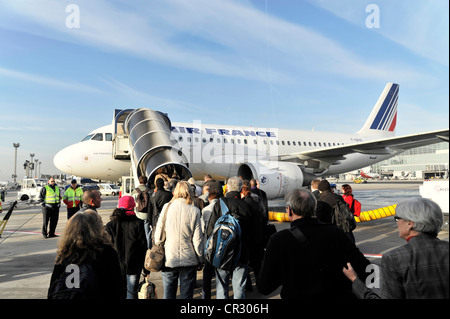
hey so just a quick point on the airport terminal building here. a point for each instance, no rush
(423, 162)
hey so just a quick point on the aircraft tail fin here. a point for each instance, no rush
(383, 118)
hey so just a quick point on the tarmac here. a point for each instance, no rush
(26, 258)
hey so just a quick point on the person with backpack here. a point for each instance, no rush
(240, 211)
(307, 259)
(214, 193)
(184, 244)
(332, 209)
(141, 195)
(86, 265)
(353, 204)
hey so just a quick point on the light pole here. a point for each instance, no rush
(39, 172)
(16, 146)
(32, 165)
(35, 167)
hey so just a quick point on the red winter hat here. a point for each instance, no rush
(126, 202)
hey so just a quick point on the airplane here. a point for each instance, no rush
(369, 175)
(144, 141)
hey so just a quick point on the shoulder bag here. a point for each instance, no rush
(154, 258)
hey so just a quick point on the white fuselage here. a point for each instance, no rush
(212, 149)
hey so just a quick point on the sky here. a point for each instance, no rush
(310, 65)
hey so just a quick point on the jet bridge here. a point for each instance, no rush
(144, 137)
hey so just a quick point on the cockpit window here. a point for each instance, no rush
(108, 137)
(87, 138)
(98, 137)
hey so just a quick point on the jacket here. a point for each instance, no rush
(240, 210)
(184, 243)
(313, 269)
(157, 201)
(128, 239)
(325, 206)
(417, 270)
(72, 198)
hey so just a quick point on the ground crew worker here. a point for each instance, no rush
(50, 199)
(73, 198)
(0, 205)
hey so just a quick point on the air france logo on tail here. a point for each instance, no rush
(386, 118)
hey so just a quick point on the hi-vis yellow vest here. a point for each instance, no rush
(73, 197)
(51, 196)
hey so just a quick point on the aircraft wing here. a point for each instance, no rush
(325, 157)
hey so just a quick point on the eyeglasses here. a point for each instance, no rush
(396, 218)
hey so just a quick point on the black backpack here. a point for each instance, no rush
(342, 216)
(77, 282)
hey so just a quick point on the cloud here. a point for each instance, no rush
(46, 81)
(226, 38)
(151, 101)
(421, 26)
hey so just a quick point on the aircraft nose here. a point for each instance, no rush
(62, 160)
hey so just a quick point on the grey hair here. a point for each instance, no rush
(426, 214)
(234, 184)
(302, 202)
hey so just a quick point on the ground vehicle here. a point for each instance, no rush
(31, 187)
(127, 185)
(360, 180)
(109, 189)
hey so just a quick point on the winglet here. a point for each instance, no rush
(383, 118)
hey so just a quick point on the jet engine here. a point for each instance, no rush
(276, 178)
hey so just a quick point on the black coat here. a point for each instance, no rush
(107, 270)
(156, 203)
(314, 269)
(240, 210)
(128, 238)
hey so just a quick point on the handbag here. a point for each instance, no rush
(154, 257)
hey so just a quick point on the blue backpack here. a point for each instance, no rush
(223, 247)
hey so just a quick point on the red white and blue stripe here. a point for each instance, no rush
(386, 118)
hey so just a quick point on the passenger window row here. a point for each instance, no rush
(245, 141)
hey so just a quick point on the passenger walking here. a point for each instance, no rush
(50, 199)
(86, 245)
(240, 210)
(307, 259)
(315, 188)
(141, 191)
(326, 206)
(157, 201)
(92, 199)
(73, 198)
(256, 244)
(184, 243)
(254, 185)
(129, 240)
(353, 204)
(214, 193)
(420, 268)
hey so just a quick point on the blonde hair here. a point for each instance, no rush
(183, 190)
(84, 236)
